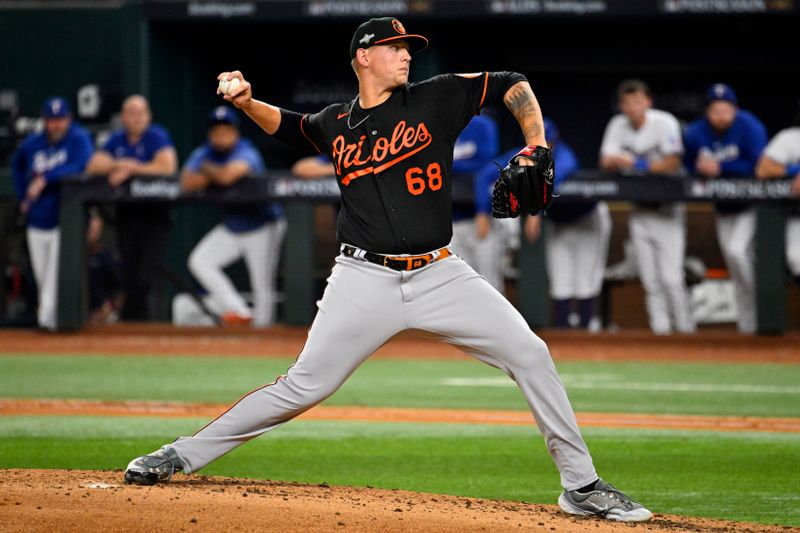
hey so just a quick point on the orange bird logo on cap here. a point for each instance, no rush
(398, 27)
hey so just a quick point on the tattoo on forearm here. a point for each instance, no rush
(523, 105)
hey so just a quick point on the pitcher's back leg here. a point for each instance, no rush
(352, 322)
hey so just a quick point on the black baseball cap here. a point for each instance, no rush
(383, 30)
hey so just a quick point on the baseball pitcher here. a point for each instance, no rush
(392, 149)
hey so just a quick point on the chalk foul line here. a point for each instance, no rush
(612, 382)
(60, 407)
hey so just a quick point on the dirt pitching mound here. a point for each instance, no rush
(78, 500)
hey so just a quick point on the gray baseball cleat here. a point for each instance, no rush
(604, 501)
(155, 467)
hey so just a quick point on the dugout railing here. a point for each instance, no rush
(299, 195)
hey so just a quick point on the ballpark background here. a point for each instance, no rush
(703, 428)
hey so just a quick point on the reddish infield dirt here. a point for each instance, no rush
(282, 341)
(75, 500)
(24, 406)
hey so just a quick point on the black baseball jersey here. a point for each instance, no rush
(393, 161)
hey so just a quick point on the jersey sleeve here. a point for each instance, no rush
(304, 132)
(459, 97)
(160, 139)
(195, 160)
(79, 152)
(753, 142)
(249, 155)
(611, 144)
(111, 144)
(670, 142)
(566, 163)
(779, 148)
(483, 133)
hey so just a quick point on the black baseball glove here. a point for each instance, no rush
(523, 190)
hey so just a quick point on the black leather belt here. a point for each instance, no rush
(409, 262)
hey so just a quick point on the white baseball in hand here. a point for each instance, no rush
(228, 86)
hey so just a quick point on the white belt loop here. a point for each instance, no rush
(358, 254)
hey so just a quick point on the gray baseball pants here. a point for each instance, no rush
(363, 306)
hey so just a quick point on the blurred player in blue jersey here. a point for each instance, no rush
(40, 163)
(139, 147)
(250, 231)
(727, 142)
(577, 243)
(479, 239)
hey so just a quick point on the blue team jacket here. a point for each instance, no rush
(477, 144)
(245, 217)
(737, 149)
(35, 156)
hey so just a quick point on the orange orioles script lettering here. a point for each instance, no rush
(405, 141)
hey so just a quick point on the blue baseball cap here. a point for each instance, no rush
(55, 107)
(223, 115)
(550, 130)
(721, 91)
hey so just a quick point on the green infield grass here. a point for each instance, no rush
(738, 476)
(635, 387)
(733, 475)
